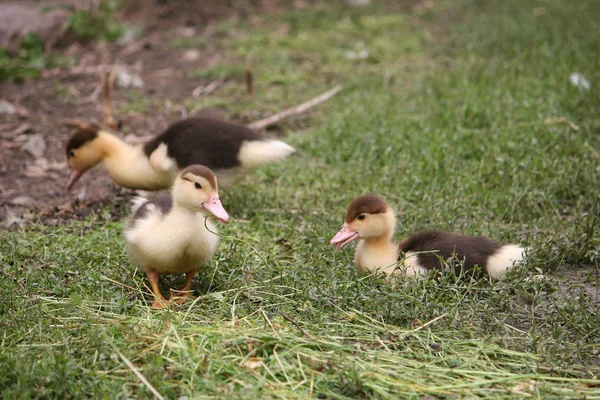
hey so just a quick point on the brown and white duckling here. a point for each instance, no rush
(228, 149)
(370, 219)
(167, 235)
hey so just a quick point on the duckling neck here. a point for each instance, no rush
(381, 245)
(129, 166)
(379, 252)
(187, 215)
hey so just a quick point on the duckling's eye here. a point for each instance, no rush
(361, 216)
(71, 153)
(197, 185)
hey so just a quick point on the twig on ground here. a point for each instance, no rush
(134, 48)
(78, 124)
(93, 97)
(559, 120)
(269, 322)
(208, 89)
(8, 126)
(77, 70)
(139, 375)
(304, 332)
(86, 125)
(249, 80)
(423, 326)
(118, 283)
(13, 278)
(295, 110)
(107, 84)
(22, 129)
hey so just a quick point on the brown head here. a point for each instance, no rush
(196, 188)
(83, 152)
(368, 217)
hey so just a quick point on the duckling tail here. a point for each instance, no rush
(505, 258)
(259, 152)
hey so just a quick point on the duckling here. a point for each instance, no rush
(371, 219)
(229, 149)
(167, 234)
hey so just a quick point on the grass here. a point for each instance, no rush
(28, 62)
(463, 117)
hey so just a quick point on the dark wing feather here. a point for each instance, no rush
(213, 143)
(436, 245)
(164, 204)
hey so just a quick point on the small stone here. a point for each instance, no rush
(22, 201)
(58, 166)
(357, 55)
(35, 145)
(7, 108)
(359, 3)
(126, 79)
(186, 31)
(11, 219)
(190, 55)
(579, 81)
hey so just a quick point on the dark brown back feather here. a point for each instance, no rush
(164, 203)
(365, 204)
(80, 138)
(210, 142)
(435, 245)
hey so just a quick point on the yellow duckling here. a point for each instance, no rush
(167, 234)
(228, 149)
(370, 219)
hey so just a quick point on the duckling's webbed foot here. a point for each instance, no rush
(159, 300)
(181, 294)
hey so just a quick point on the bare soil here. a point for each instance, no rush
(34, 187)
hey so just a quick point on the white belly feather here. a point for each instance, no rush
(175, 243)
(372, 257)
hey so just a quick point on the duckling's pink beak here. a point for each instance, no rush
(345, 236)
(214, 206)
(74, 176)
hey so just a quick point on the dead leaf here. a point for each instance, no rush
(526, 386)
(58, 166)
(252, 363)
(558, 120)
(66, 207)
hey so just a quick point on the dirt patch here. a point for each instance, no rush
(32, 183)
(588, 277)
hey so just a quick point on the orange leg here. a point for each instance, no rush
(184, 289)
(159, 300)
